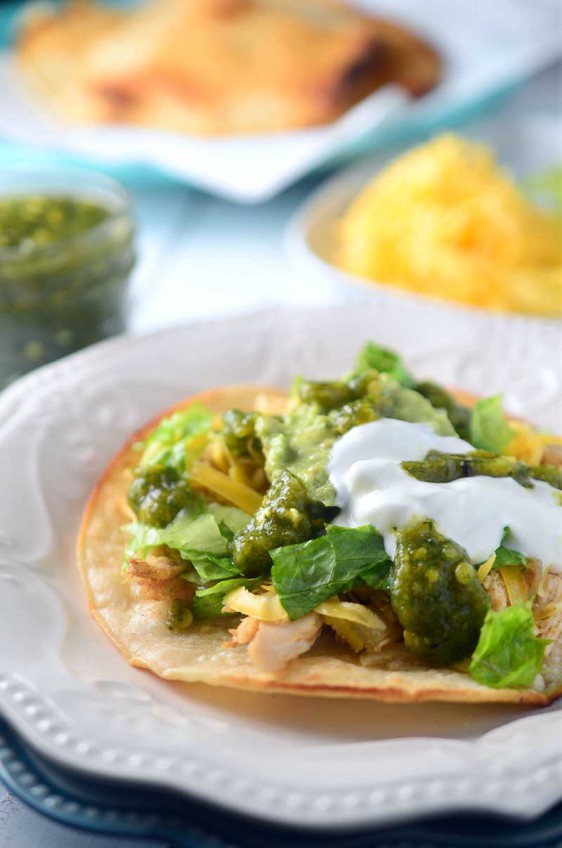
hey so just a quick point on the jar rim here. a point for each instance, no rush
(73, 183)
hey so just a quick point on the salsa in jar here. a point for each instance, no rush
(66, 253)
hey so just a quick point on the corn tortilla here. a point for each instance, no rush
(137, 625)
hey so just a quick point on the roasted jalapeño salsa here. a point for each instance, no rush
(31, 222)
(64, 264)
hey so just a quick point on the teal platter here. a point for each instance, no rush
(409, 128)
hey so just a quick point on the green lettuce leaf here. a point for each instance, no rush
(508, 653)
(209, 567)
(308, 573)
(489, 429)
(508, 556)
(230, 519)
(208, 602)
(202, 539)
(167, 443)
(383, 360)
(377, 577)
(187, 535)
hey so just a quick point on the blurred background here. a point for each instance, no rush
(220, 119)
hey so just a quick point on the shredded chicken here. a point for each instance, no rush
(160, 564)
(244, 633)
(548, 608)
(272, 646)
(496, 589)
(166, 590)
(158, 575)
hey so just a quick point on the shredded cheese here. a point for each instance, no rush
(355, 623)
(529, 446)
(348, 611)
(515, 584)
(485, 568)
(265, 607)
(230, 490)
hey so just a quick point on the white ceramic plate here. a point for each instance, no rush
(300, 761)
(312, 235)
(253, 168)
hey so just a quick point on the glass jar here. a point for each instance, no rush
(66, 253)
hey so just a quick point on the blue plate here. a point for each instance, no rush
(118, 810)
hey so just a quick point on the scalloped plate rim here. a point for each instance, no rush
(409, 807)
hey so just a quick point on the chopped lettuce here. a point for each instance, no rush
(208, 602)
(489, 429)
(508, 653)
(374, 356)
(202, 539)
(167, 443)
(308, 573)
(210, 567)
(230, 519)
(187, 535)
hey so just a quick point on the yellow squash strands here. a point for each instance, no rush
(444, 220)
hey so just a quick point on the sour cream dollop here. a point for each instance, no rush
(372, 488)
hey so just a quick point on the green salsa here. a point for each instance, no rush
(436, 594)
(64, 266)
(31, 222)
(439, 467)
(158, 493)
(287, 516)
(239, 434)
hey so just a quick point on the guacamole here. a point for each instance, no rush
(302, 439)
